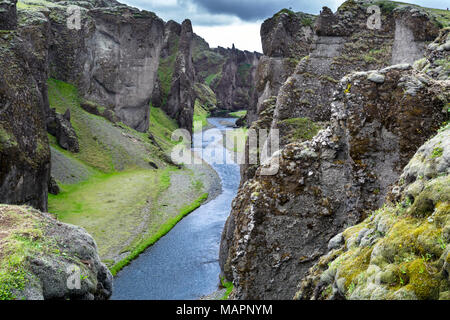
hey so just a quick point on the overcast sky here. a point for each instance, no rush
(224, 22)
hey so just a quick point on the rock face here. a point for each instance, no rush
(229, 72)
(374, 122)
(113, 58)
(59, 126)
(401, 251)
(343, 44)
(62, 263)
(8, 15)
(24, 150)
(280, 225)
(174, 90)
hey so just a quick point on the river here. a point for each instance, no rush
(183, 265)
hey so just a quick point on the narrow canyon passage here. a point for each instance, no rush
(184, 263)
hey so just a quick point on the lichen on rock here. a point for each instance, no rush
(402, 250)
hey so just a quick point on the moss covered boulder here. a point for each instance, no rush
(41, 258)
(402, 251)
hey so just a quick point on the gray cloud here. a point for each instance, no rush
(222, 12)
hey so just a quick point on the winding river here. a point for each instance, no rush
(183, 265)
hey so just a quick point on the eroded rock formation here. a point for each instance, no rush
(230, 73)
(280, 225)
(401, 251)
(24, 150)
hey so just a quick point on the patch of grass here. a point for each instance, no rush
(23, 237)
(301, 128)
(162, 126)
(211, 78)
(110, 206)
(238, 114)
(244, 70)
(164, 229)
(166, 70)
(200, 116)
(227, 285)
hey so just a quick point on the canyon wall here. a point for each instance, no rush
(229, 72)
(24, 150)
(346, 134)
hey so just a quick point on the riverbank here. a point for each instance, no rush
(120, 187)
(184, 263)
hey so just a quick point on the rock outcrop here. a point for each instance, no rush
(24, 150)
(230, 73)
(374, 121)
(402, 250)
(280, 225)
(112, 56)
(45, 259)
(59, 126)
(174, 90)
(8, 15)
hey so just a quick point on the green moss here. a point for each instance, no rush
(228, 286)
(352, 264)
(161, 127)
(301, 128)
(7, 140)
(244, 71)
(238, 114)
(437, 152)
(200, 117)
(212, 78)
(166, 70)
(22, 238)
(421, 281)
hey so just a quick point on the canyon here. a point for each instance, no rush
(359, 205)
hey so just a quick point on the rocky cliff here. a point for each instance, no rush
(230, 73)
(24, 150)
(359, 130)
(174, 90)
(402, 250)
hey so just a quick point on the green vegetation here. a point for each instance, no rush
(21, 237)
(211, 78)
(437, 152)
(227, 285)
(244, 71)
(378, 56)
(164, 229)
(161, 127)
(238, 114)
(300, 128)
(166, 70)
(118, 201)
(200, 117)
(235, 140)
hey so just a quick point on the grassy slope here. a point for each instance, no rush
(118, 201)
(238, 114)
(200, 116)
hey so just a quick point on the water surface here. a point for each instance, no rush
(184, 265)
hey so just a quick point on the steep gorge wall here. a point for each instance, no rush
(280, 225)
(174, 89)
(24, 150)
(229, 72)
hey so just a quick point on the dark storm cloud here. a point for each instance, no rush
(251, 10)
